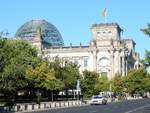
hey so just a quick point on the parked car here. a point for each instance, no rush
(98, 99)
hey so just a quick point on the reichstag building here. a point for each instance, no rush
(107, 53)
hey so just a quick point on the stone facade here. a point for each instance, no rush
(107, 53)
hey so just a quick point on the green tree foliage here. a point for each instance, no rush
(16, 52)
(21, 68)
(118, 84)
(15, 56)
(67, 73)
(137, 81)
(146, 30)
(89, 82)
(57, 66)
(70, 75)
(102, 84)
(146, 60)
(42, 77)
(2, 54)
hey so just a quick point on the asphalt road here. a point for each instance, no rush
(134, 106)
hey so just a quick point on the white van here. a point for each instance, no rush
(98, 99)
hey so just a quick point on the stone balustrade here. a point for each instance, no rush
(42, 106)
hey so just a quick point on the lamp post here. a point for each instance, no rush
(111, 51)
(78, 89)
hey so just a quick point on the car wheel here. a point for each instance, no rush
(104, 102)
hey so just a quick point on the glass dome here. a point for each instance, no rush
(49, 33)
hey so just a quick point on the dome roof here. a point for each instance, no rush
(49, 33)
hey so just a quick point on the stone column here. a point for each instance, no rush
(112, 64)
(95, 60)
(126, 64)
(123, 65)
(119, 63)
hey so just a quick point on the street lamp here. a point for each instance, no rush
(78, 89)
(111, 51)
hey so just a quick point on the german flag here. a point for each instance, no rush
(104, 13)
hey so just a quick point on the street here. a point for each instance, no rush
(134, 106)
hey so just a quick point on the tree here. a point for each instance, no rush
(57, 66)
(118, 84)
(70, 75)
(146, 60)
(42, 77)
(89, 82)
(146, 30)
(137, 81)
(67, 72)
(102, 84)
(15, 56)
(2, 53)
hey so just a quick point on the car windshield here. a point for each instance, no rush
(97, 97)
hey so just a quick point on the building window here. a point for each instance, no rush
(109, 33)
(98, 34)
(76, 60)
(104, 33)
(86, 59)
(66, 58)
(103, 62)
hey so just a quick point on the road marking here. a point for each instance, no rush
(93, 111)
(137, 108)
(106, 109)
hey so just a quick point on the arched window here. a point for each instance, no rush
(109, 33)
(98, 34)
(104, 61)
(104, 33)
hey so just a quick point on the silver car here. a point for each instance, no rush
(98, 99)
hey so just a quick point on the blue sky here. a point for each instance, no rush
(73, 18)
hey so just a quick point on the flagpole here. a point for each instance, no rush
(104, 12)
(105, 19)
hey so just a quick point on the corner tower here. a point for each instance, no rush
(108, 49)
(105, 31)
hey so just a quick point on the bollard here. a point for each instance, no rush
(32, 106)
(75, 102)
(18, 107)
(50, 105)
(59, 104)
(39, 106)
(64, 104)
(25, 107)
(44, 105)
(53, 105)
